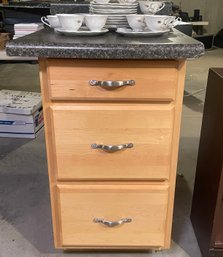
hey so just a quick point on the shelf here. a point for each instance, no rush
(199, 23)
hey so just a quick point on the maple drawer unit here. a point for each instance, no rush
(126, 143)
(112, 120)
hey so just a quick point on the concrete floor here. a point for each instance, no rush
(25, 217)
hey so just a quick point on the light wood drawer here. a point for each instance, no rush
(148, 127)
(69, 80)
(144, 205)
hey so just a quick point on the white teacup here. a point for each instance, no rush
(136, 22)
(159, 22)
(174, 22)
(95, 22)
(70, 21)
(151, 7)
(51, 21)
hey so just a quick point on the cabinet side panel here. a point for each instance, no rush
(175, 147)
(50, 159)
(217, 88)
(207, 205)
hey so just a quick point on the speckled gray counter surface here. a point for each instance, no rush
(80, 7)
(27, 4)
(47, 43)
(67, 6)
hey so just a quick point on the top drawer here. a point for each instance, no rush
(154, 80)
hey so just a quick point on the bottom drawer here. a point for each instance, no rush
(88, 215)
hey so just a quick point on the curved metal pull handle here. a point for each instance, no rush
(109, 84)
(112, 148)
(112, 224)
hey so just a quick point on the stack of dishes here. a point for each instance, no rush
(116, 21)
(116, 12)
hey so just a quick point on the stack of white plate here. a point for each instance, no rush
(116, 12)
(116, 21)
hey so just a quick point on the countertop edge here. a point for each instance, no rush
(26, 6)
(101, 52)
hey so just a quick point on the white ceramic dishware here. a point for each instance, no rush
(174, 22)
(108, 12)
(151, 7)
(101, 1)
(95, 22)
(136, 22)
(114, 5)
(126, 1)
(81, 32)
(158, 22)
(70, 21)
(116, 12)
(51, 21)
(130, 33)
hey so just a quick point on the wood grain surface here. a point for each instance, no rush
(154, 81)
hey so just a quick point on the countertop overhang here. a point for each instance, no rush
(26, 4)
(45, 43)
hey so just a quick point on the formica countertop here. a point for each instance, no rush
(27, 4)
(75, 6)
(47, 43)
(70, 7)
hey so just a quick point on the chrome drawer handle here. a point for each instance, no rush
(109, 84)
(112, 148)
(112, 224)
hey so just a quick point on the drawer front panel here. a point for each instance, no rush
(145, 207)
(69, 80)
(147, 127)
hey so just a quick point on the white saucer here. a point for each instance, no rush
(131, 33)
(113, 8)
(115, 4)
(109, 12)
(114, 27)
(81, 32)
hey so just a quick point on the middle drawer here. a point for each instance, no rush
(112, 141)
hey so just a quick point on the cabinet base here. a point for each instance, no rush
(109, 249)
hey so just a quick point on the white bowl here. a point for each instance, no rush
(95, 22)
(70, 21)
(158, 22)
(151, 7)
(51, 21)
(136, 22)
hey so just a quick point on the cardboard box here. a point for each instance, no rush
(21, 114)
(4, 37)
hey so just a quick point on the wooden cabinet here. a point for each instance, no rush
(207, 207)
(112, 150)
